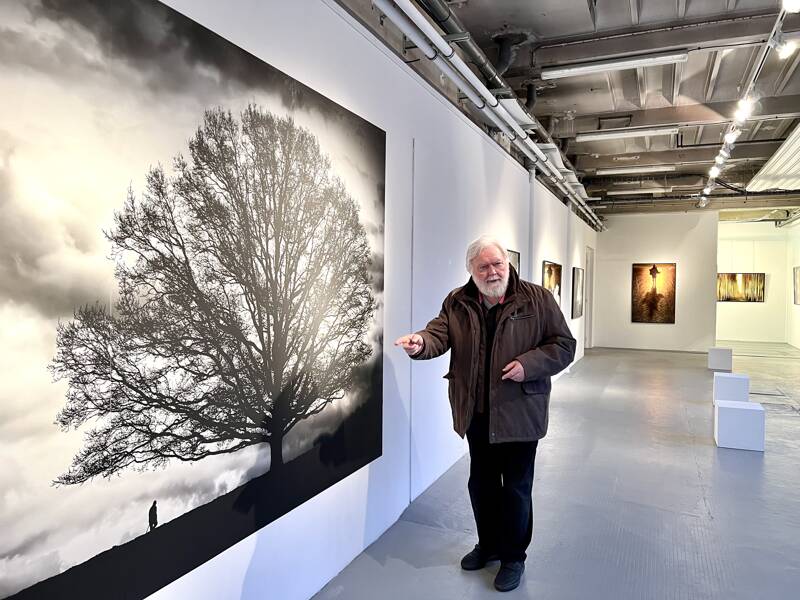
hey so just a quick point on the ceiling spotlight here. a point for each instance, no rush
(720, 160)
(791, 6)
(732, 136)
(786, 49)
(703, 202)
(713, 172)
(707, 190)
(744, 111)
(725, 153)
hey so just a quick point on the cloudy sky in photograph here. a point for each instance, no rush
(95, 93)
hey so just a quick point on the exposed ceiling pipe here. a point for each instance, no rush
(444, 16)
(457, 70)
(530, 97)
(449, 22)
(508, 44)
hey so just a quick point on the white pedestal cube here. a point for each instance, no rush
(731, 386)
(739, 425)
(720, 359)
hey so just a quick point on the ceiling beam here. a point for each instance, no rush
(754, 131)
(677, 79)
(730, 4)
(681, 156)
(681, 9)
(696, 36)
(786, 74)
(611, 90)
(634, 12)
(698, 135)
(781, 131)
(694, 114)
(593, 13)
(674, 180)
(641, 84)
(650, 205)
(714, 59)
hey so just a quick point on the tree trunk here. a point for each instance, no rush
(276, 451)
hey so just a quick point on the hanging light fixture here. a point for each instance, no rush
(744, 111)
(791, 6)
(786, 48)
(732, 136)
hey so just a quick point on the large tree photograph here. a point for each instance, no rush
(190, 297)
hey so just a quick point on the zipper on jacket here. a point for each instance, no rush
(521, 317)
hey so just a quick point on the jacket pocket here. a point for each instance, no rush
(537, 386)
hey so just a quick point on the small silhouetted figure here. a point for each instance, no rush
(153, 516)
(653, 273)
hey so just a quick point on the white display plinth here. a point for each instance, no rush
(720, 359)
(739, 425)
(731, 386)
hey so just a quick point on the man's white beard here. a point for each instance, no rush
(495, 289)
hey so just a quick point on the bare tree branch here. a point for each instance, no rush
(244, 302)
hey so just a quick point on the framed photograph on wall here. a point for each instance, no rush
(796, 280)
(577, 292)
(513, 259)
(191, 354)
(653, 293)
(551, 279)
(740, 287)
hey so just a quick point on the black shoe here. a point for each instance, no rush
(508, 576)
(477, 559)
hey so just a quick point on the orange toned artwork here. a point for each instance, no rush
(653, 293)
(740, 287)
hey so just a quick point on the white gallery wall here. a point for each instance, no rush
(560, 236)
(464, 186)
(754, 248)
(690, 241)
(446, 183)
(792, 260)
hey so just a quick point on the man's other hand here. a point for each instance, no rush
(411, 343)
(514, 371)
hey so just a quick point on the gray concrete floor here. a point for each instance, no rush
(632, 499)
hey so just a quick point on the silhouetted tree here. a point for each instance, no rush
(244, 300)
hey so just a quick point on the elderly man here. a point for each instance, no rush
(506, 337)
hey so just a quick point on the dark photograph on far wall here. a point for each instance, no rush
(740, 287)
(653, 293)
(513, 259)
(551, 279)
(797, 285)
(191, 300)
(577, 292)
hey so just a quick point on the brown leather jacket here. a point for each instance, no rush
(530, 329)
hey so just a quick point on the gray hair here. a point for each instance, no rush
(478, 246)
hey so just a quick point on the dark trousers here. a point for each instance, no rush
(500, 482)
